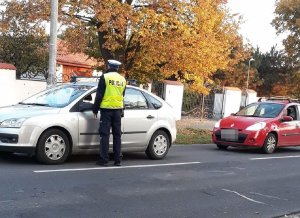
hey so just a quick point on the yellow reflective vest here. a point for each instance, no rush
(113, 96)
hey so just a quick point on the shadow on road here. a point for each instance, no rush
(246, 150)
(141, 156)
(16, 158)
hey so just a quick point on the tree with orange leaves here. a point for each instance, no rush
(22, 43)
(154, 39)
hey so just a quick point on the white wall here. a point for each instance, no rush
(232, 101)
(59, 72)
(146, 86)
(26, 88)
(227, 102)
(218, 105)
(7, 85)
(173, 96)
(13, 91)
(249, 96)
(252, 97)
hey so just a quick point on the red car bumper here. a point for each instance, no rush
(244, 138)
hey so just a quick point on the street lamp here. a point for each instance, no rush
(249, 71)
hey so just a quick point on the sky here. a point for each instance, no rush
(257, 17)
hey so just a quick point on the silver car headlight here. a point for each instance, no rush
(12, 123)
(256, 126)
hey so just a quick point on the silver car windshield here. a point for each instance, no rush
(265, 110)
(58, 96)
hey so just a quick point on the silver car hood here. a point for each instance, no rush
(20, 111)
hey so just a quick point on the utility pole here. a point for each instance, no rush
(52, 45)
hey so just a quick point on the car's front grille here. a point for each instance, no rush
(9, 138)
(241, 137)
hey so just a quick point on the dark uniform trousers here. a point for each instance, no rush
(110, 118)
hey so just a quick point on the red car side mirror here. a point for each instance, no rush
(287, 118)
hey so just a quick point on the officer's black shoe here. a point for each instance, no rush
(101, 163)
(117, 163)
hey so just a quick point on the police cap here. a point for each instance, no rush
(114, 64)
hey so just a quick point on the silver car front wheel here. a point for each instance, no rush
(158, 146)
(53, 147)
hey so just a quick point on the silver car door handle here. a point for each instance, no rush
(150, 117)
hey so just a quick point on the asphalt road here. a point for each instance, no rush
(193, 181)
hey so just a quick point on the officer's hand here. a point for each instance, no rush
(122, 113)
(95, 115)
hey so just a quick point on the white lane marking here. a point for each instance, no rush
(221, 172)
(122, 167)
(6, 201)
(243, 196)
(239, 168)
(268, 196)
(268, 158)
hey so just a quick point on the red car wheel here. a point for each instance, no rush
(270, 143)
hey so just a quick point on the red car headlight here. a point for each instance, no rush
(217, 124)
(256, 126)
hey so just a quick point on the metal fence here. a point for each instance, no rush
(195, 104)
(158, 88)
(59, 77)
(200, 105)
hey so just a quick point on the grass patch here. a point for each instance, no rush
(193, 136)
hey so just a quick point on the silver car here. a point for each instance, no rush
(58, 122)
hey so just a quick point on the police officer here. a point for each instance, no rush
(109, 97)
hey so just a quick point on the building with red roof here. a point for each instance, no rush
(6, 66)
(70, 64)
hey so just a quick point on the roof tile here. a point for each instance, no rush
(6, 66)
(66, 57)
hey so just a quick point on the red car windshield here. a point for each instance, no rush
(265, 110)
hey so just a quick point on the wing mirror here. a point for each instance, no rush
(287, 118)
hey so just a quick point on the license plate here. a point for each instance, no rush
(229, 135)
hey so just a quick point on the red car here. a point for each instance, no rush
(266, 125)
